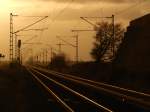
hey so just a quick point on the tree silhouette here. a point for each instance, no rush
(104, 39)
(2, 56)
(58, 61)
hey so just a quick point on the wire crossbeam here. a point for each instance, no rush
(26, 27)
(108, 41)
(12, 33)
(66, 41)
(41, 29)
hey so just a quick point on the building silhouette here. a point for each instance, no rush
(131, 67)
(134, 52)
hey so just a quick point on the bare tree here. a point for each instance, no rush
(104, 40)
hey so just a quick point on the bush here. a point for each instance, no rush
(58, 62)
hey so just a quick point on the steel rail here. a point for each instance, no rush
(74, 92)
(100, 84)
(66, 107)
(105, 85)
(123, 97)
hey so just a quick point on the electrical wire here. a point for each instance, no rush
(30, 39)
(129, 8)
(32, 16)
(62, 11)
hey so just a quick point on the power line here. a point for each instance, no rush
(63, 10)
(31, 16)
(60, 47)
(129, 8)
(31, 24)
(30, 38)
(66, 41)
(41, 29)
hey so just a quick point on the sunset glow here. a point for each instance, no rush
(64, 16)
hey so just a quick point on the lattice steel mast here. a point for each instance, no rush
(11, 55)
(11, 38)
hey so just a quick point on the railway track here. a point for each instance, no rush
(82, 95)
(69, 93)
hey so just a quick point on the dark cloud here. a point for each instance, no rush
(87, 1)
(90, 1)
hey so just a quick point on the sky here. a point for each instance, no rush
(63, 16)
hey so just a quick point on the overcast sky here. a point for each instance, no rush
(64, 15)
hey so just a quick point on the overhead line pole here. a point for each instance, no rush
(16, 42)
(77, 40)
(11, 37)
(113, 29)
(46, 56)
(43, 53)
(113, 43)
(60, 46)
(66, 41)
(11, 55)
(77, 49)
(52, 49)
(76, 46)
(51, 54)
(41, 29)
(38, 43)
(16, 46)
